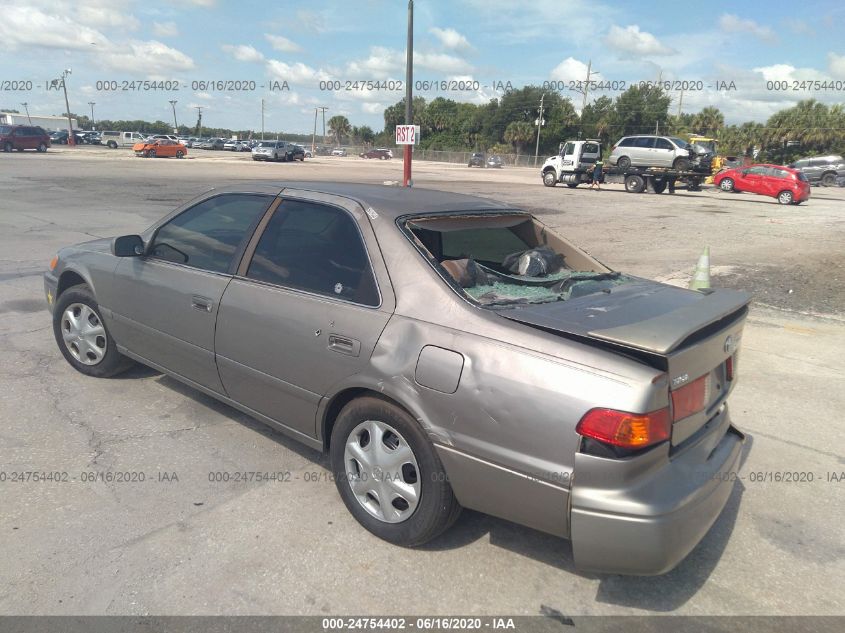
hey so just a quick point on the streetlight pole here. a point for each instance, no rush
(407, 181)
(92, 104)
(539, 125)
(262, 118)
(199, 121)
(26, 107)
(175, 124)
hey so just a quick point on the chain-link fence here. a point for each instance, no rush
(508, 160)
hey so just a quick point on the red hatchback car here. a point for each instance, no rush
(21, 137)
(788, 185)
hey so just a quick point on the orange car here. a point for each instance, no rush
(161, 147)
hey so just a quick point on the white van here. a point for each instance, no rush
(121, 139)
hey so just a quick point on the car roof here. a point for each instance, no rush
(389, 201)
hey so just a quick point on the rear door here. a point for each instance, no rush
(305, 310)
(664, 152)
(166, 302)
(642, 151)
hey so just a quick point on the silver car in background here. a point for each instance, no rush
(447, 352)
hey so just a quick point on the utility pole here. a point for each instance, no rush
(407, 180)
(92, 104)
(539, 125)
(262, 118)
(70, 138)
(314, 135)
(199, 120)
(26, 107)
(324, 108)
(175, 124)
(680, 103)
(585, 91)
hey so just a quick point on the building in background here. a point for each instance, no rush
(49, 123)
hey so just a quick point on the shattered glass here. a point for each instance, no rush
(560, 286)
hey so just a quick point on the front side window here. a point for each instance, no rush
(662, 143)
(316, 248)
(568, 149)
(208, 235)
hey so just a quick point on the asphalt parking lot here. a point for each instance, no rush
(177, 543)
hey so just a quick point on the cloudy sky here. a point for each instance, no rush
(485, 43)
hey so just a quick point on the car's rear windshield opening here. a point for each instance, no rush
(509, 259)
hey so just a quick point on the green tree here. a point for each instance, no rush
(518, 133)
(708, 122)
(340, 128)
(641, 110)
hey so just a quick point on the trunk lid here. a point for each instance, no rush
(689, 334)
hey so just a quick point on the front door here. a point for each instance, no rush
(166, 302)
(304, 312)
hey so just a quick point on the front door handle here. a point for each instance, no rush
(344, 345)
(201, 303)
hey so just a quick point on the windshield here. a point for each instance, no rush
(509, 260)
(267, 144)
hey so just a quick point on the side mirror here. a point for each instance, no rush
(127, 246)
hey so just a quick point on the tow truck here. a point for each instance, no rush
(573, 164)
(576, 160)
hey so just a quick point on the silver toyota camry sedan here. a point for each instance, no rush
(447, 351)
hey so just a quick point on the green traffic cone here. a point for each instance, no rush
(701, 277)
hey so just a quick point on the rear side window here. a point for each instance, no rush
(209, 234)
(5, 129)
(645, 141)
(490, 245)
(316, 248)
(626, 142)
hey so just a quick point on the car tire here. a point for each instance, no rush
(727, 184)
(180, 153)
(659, 186)
(112, 144)
(623, 162)
(151, 153)
(42, 147)
(681, 164)
(634, 184)
(786, 197)
(422, 505)
(383, 157)
(8, 147)
(549, 178)
(829, 180)
(83, 338)
(572, 185)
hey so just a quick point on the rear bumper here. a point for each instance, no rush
(643, 515)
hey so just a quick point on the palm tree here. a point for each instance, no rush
(709, 121)
(518, 133)
(339, 127)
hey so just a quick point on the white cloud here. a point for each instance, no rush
(372, 108)
(243, 53)
(148, 58)
(205, 96)
(731, 23)
(29, 26)
(570, 69)
(282, 43)
(296, 72)
(165, 29)
(441, 62)
(381, 63)
(198, 3)
(451, 39)
(635, 42)
(836, 65)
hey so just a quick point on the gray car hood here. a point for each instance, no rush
(643, 315)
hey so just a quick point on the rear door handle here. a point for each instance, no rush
(344, 345)
(201, 303)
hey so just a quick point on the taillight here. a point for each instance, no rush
(626, 430)
(729, 368)
(690, 398)
(54, 262)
